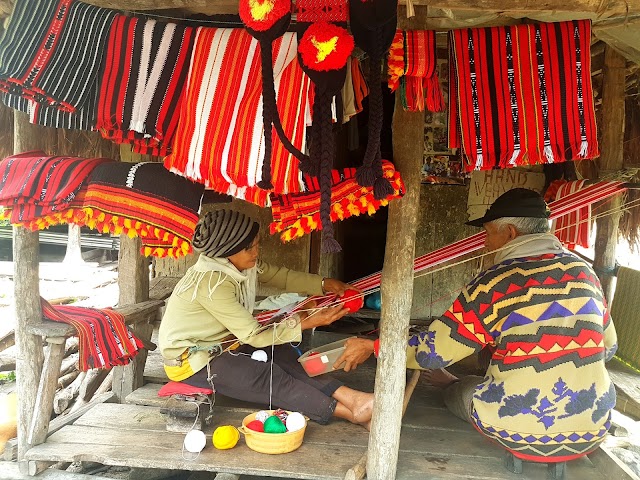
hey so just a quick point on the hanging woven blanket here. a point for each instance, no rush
(143, 200)
(37, 190)
(52, 51)
(144, 75)
(413, 69)
(522, 94)
(220, 137)
(299, 214)
(104, 341)
(574, 228)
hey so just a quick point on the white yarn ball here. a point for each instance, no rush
(260, 356)
(262, 416)
(295, 421)
(195, 441)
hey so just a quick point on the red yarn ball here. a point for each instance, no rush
(261, 15)
(314, 366)
(352, 300)
(325, 46)
(256, 426)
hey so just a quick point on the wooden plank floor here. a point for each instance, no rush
(433, 444)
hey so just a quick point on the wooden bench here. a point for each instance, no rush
(55, 334)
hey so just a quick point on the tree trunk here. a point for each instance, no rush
(74, 251)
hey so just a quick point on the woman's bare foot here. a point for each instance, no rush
(363, 409)
(439, 377)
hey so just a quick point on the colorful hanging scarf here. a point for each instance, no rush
(524, 94)
(299, 214)
(220, 137)
(104, 341)
(412, 67)
(573, 228)
(143, 200)
(37, 190)
(59, 64)
(144, 75)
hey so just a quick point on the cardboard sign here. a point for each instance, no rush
(487, 185)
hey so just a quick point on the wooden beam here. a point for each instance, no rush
(397, 295)
(26, 290)
(610, 161)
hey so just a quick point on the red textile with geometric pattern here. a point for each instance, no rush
(522, 94)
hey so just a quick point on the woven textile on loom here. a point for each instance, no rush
(522, 94)
(144, 200)
(412, 68)
(144, 74)
(104, 341)
(298, 214)
(52, 51)
(573, 228)
(220, 138)
(37, 190)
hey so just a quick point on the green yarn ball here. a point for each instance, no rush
(274, 425)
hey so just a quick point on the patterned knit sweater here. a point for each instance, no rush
(546, 393)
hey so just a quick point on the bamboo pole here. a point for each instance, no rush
(26, 260)
(397, 295)
(611, 160)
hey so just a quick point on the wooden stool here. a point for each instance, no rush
(555, 470)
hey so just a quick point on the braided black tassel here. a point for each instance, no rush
(268, 105)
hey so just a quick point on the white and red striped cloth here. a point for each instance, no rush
(572, 202)
(220, 136)
(573, 228)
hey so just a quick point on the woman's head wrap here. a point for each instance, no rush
(223, 233)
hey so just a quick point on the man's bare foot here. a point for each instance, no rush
(439, 377)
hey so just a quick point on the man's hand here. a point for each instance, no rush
(332, 285)
(323, 316)
(356, 352)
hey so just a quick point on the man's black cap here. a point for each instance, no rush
(518, 202)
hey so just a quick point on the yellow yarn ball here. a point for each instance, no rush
(225, 437)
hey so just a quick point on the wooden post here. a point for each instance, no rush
(74, 247)
(611, 160)
(26, 290)
(397, 295)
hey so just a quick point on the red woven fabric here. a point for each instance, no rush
(322, 10)
(524, 94)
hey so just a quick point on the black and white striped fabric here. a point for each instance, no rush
(60, 68)
(224, 233)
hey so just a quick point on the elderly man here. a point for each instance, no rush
(546, 395)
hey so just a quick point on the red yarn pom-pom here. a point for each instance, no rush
(314, 366)
(256, 426)
(325, 46)
(261, 15)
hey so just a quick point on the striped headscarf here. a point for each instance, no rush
(224, 233)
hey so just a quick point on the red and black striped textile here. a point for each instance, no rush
(522, 94)
(144, 74)
(295, 215)
(144, 200)
(38, 190)
(104, 341)
(52, 51)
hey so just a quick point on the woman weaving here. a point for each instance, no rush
(212, 306)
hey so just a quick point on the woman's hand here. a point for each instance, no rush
(323, 316)
(333, 285)
(357, 350)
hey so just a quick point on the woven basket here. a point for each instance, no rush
(272, 443)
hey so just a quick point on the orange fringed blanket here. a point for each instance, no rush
(299, 214)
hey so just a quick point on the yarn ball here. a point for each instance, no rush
(325, 46)
(352, 300)
(262, 416)
(256, 426)
(274, 425)
(314, 365)
(373, 301)
(259, 356)
(194, 441)
(295, 421)
(225, 437)
(281, 414)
